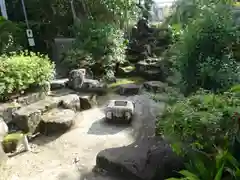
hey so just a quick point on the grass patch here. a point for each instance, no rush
(130, 80)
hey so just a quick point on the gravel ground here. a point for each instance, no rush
(70, 156)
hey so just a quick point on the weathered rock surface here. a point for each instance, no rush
(149, 158)
(93, 86)
(155, 86)
(70, 101)
(87, 101)
(76, 79)
(58, 83)
(57, 120)
(27, 118)
(7, 109)
(129, 89)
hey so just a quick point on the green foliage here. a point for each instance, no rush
(98, 44)
(202, 167)
(11, 36)
(20, 71)
(201, 122)
(204, 57)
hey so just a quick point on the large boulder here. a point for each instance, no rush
(76, 79)
(57, 121)
(148, 159)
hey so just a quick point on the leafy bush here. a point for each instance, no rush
(99, 44)
(205, 58)
(202, 121)
(20, 71)
(202, 167)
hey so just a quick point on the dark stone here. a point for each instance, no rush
(146, 159)
(129, 89)
(87, 101)
(58, 84)
(155, 86)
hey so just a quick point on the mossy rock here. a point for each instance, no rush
(10, 142)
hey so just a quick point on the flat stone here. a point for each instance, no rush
(57, 120)
(149, 158)
(129, 89)
(93, 86)
(155, 86)
(58, 83)
(27, 118)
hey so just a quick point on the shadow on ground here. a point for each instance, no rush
(42, 139)
(101, 127)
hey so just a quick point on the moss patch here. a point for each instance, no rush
(13, 137)
(130, 80)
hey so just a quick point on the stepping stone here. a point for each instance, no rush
(129, 89)
(57, 120)
(58, 83)
(93, 86)
(27, 118)
(155, 86)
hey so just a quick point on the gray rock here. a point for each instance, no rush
(31, 98)
(87, 101)
(129, 89)
(76, 79)
(155, 86)
(27, 118)
(58, 83)
(148, 159)
(93, 86)
(57, 121)
(70, 101)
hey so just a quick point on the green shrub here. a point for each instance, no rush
(205, 58)
(202, 121)
(20, 71)
(99, 44)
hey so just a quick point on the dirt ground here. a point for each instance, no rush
(70, 156)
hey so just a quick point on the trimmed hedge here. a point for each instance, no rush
(19, 72)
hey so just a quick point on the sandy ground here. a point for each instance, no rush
(72, 155)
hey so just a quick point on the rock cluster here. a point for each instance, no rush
(147, 41)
